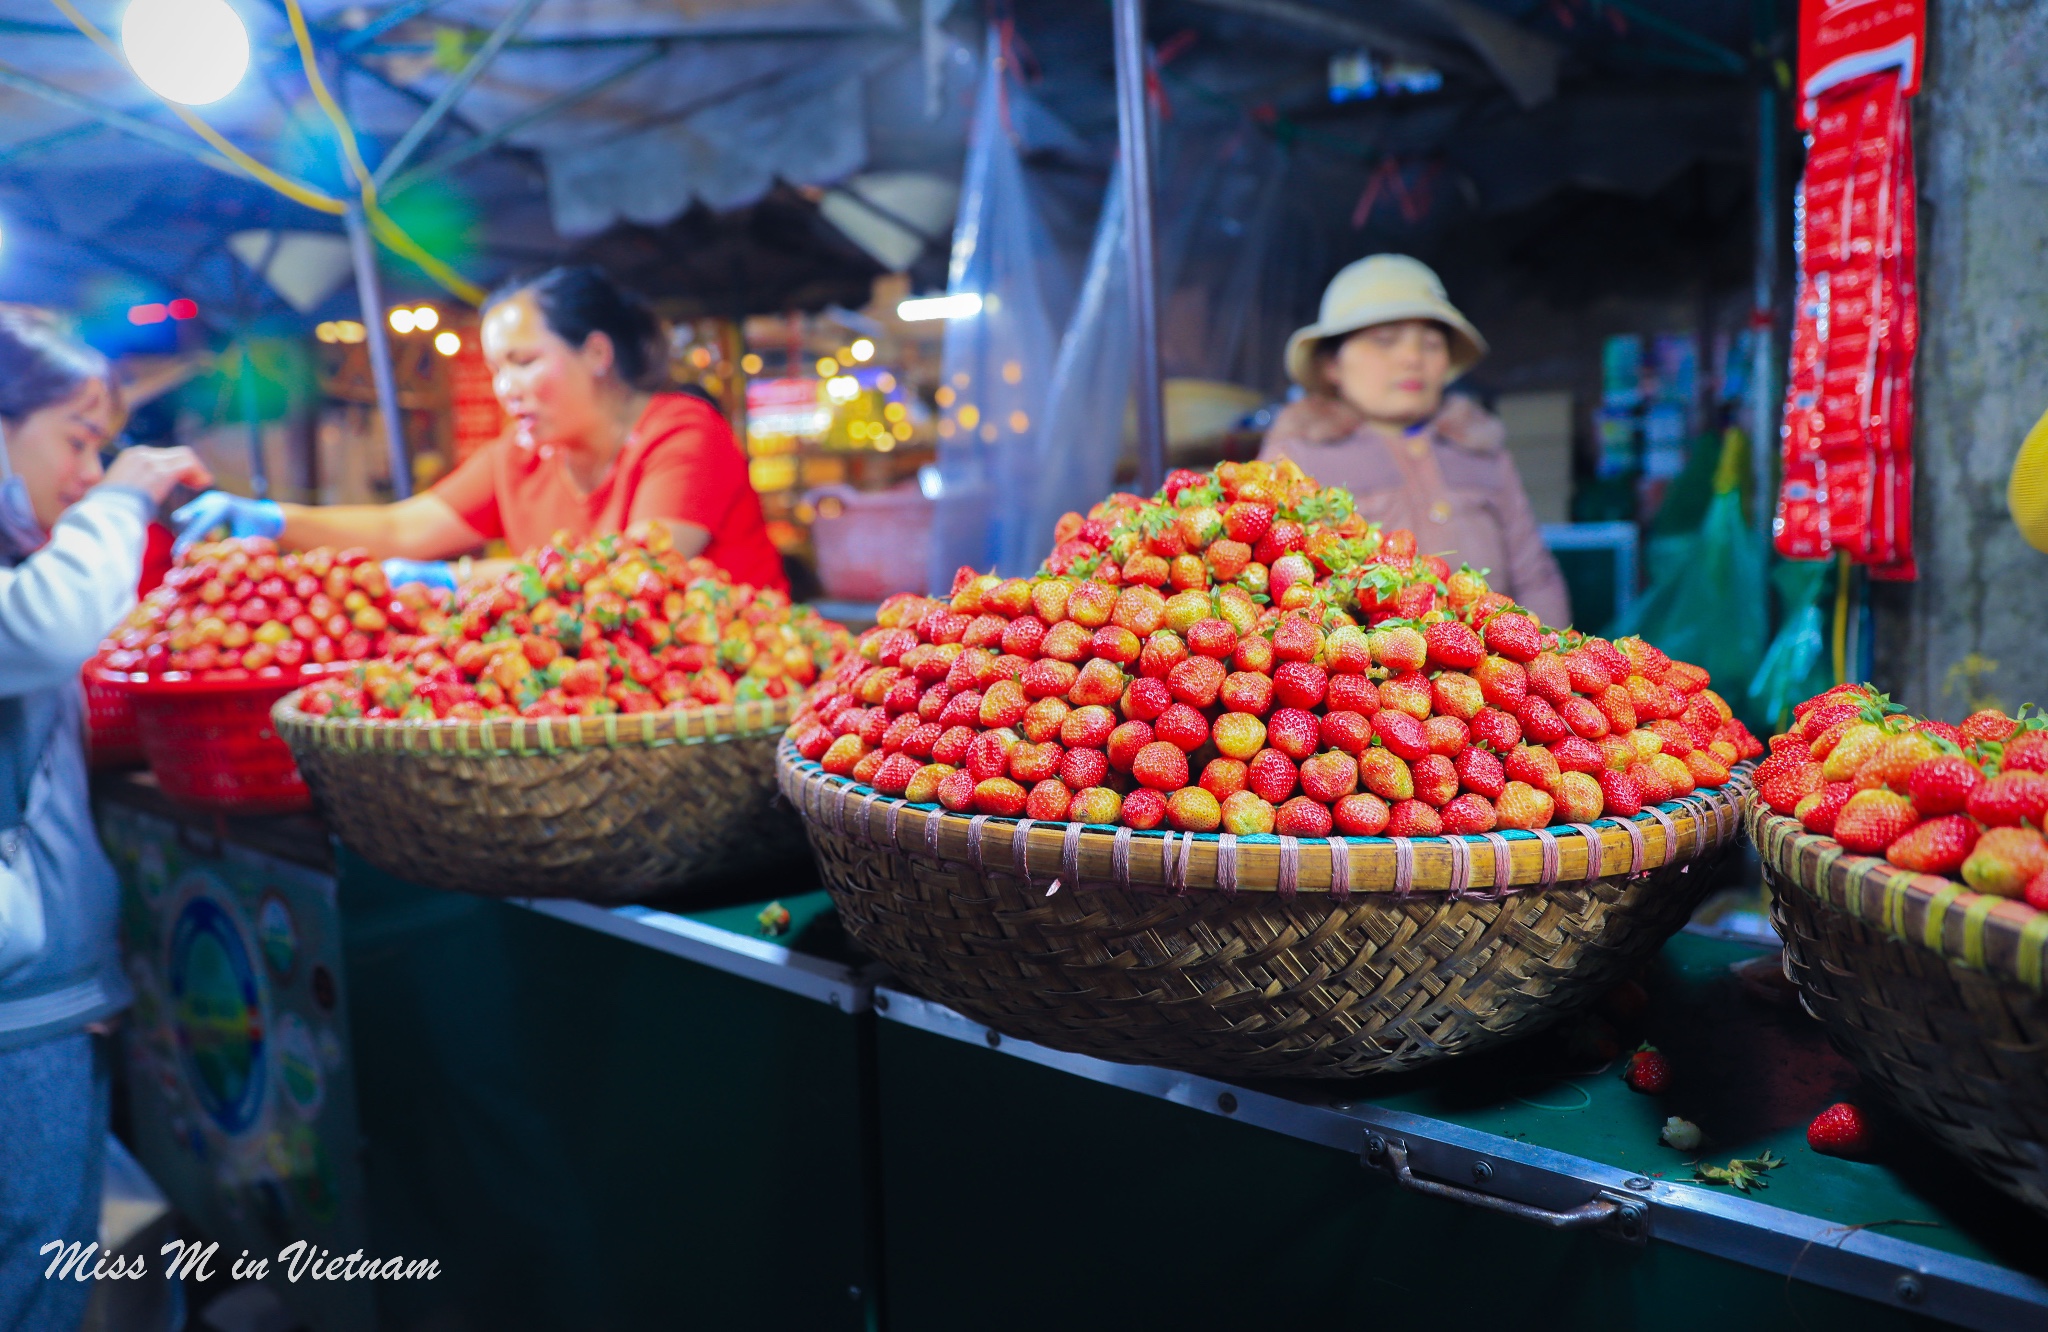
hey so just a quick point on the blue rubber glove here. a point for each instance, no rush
(431, 573)
(216, 509)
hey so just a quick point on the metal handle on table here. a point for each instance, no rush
(1628, 1218)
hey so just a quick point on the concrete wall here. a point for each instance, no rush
(1974, 629)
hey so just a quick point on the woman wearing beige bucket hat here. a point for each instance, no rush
(1375, 421)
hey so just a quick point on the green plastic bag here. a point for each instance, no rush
(1707, 602)
(1795, 666)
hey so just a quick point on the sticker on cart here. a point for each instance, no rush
(277, 934)
(217, 1010)
(298, 1066)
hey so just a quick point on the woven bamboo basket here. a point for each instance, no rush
(608, 809)
(1270, 956)
(1933, 991)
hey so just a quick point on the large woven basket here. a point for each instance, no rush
(1266, 956)
(1933, 991)
(608, 809)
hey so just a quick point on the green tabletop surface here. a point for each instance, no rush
(1752, 1070)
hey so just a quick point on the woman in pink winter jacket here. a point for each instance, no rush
(1375, 421)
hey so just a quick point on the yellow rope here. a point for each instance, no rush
(382, 226)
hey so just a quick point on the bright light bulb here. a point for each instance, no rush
(402, 321)
(426, 318)
(964, 305)
(863, 350)
(448, 342)
(190, 51)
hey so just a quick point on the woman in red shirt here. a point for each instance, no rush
(593, 448)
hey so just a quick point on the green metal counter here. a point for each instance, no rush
(637, 1118)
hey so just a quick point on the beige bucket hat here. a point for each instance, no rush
(1380, 289)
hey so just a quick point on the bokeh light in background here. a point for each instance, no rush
(191, 51)
(447, 342)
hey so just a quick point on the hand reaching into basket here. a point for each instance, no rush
(217, 510)
(156, 472)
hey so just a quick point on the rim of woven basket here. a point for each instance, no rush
(1485, 865)
(1999, 935)
(499, 737)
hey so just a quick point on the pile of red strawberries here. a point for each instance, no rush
(1244, 652)
(1964, 801)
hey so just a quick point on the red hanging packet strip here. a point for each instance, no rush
(1846, 438)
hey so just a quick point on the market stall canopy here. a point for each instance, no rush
(509, 133)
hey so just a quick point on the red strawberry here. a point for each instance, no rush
(1873, 819)
(1124, 743)
(999, 796)
(1446, 735)
(1412, 818)
(1248, 691)
(1083, 768)
(1238, 735)
(893, 777)
(1247, 815)
(1163, 651)
(1300, 684)
(1480, 772)
(2009, 799)
(1161, 766)
(2025, 752)
(1583, 717)
(1454, 694)
(1294, 732)
(956, 791)
(1303, 817)
(952, 746)
(1248, 522)
(1938, 846)
(1352, 693)
(1272, 776)
(1049, 801)
(1408, 692)
(1329, 776)
(2037, 891)
(1146, 698)
(1522, 805)
(1818, 810)
(1191, 809)
(1621, 795)
(2006, 861)
(1540, 721)
(1579, 798)
(1496, 730)
(1399, 648)
(1401, 733)
(1588, 676)
(1386, 775)
(1516, 637)
(1362, 815)
(1143, 808)
(1285, 537)
(1550, 679)
(1782, 788)
(1348, 731)
(1453, 645)
(1943, 785)
(1031, 763)
(1840, 1130)
(1179, 479)
(1224, 777)
(1212, 637)
(1618, 707)
(1677, 737)
(1296, 638)
(1577, 755)
(1504, 683)
(1988, 724)
(1436, 781)
(1087, 727)
(1197, 680)
(1647, 1071)
(1469, 813)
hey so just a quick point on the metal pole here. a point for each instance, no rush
(1134, 140)
(409, 143)
(370, 295)
(1766, 406)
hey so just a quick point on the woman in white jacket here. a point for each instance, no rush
(71, 540)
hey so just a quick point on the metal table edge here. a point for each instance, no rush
(846, 988)
(1860, 1262)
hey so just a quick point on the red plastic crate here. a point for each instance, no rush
(113, 739)
(210, 742)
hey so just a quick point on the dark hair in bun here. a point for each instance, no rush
(579, 300)
(41, 364)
